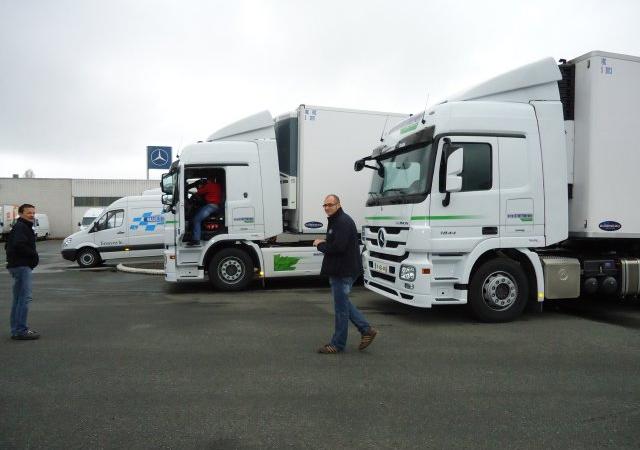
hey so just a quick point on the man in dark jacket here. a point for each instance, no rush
(22, 257)
(343, 265)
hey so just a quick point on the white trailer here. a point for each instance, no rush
(275, 175)
(518, 190)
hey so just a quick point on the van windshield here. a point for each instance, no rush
(88, 220)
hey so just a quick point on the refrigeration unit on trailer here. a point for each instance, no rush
(519, 189)
(275, 175)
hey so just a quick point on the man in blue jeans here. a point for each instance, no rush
(22, 257)
(343, 265)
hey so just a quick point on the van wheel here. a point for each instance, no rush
(231, 269)
(88, 257)
(498, 291)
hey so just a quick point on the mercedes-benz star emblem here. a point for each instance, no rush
(382, 239)
(159, 157)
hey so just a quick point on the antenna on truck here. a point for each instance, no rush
(384, 129)
(425, 110)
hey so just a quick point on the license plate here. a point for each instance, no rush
(379, 267)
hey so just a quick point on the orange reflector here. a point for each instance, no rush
(172, 256)
(426, 271)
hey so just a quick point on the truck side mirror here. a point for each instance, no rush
(167, 199)
(358, 165)
(79, 224)
(455, 165)
(454, 169)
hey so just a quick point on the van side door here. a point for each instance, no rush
(145, 226)
(109, 234)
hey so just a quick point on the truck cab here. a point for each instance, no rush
(459, 192)
(248, 172)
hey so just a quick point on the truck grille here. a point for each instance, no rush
(386, 237)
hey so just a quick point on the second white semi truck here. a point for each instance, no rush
(521, 189)
(275, 175)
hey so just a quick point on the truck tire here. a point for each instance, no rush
(88, 257)
(498, 291)
(231, 269)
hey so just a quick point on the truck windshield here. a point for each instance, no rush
(405, 178)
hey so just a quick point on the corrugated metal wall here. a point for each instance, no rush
(55, 197)
(111, 188)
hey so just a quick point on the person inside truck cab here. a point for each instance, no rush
(209, 194)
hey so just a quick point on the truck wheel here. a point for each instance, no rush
(88, 257)
(231, 269)
(498, 291)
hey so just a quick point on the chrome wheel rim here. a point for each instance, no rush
(499, 291)
(230, 270)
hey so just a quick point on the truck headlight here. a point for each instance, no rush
(67, 241)
(407, 273)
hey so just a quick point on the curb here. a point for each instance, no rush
(123, 268)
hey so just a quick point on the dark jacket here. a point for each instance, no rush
(21, 245)
(341, 249)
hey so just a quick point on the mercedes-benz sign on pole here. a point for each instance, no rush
(158, 157)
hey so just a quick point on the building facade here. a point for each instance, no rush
(65, 200)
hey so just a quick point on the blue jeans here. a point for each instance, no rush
(345, 311)
(202, 214)
(21, 298)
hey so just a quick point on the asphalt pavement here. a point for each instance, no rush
(130, 361)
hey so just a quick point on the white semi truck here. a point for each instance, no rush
(275, 175)
(521, 189)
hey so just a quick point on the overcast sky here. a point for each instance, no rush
(86, 85)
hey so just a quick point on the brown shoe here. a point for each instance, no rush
(328, 349)
(367, 338)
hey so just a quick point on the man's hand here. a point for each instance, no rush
(317, 242)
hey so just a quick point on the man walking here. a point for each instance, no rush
(22, 257)
(343, 265)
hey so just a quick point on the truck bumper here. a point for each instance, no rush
(69, 254)
(423, 292)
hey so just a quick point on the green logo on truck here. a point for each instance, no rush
(284, 263)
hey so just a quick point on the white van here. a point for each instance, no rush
(41, 226)
(130, 227)
(89, 216)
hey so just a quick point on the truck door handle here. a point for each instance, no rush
(120, 232)
(489, 230)
(245, 195)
